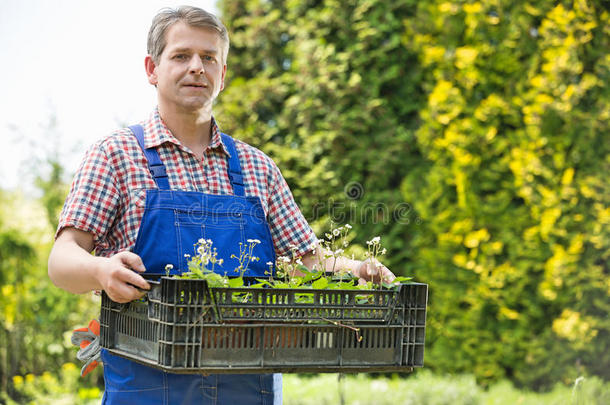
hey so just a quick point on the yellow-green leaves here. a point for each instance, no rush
(489, 119)
(514, 129)
(575, 328)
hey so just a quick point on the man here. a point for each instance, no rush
(144, 195)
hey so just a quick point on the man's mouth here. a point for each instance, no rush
(196, 85)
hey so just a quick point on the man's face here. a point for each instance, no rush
(190, 72)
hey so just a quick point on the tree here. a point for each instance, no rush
(34, 314)
(298, 81)
(513, 199)
(468, 135)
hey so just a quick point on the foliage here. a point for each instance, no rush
(63, 387)
(515, 206)
(300, 82)
(471, 135)
(426, 388)
(422, 388)
(286, 272)
(35, 316)
(54, 191)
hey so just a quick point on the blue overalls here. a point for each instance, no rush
(173, 222)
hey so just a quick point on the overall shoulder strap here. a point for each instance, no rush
(156, 167)
(235, 176)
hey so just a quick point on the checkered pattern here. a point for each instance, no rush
(107, 196)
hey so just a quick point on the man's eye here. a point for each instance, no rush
(208, 58)
(180, 57)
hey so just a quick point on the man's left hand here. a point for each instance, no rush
(373, 270)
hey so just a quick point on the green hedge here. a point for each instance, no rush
(471, 137)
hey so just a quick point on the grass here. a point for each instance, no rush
(419, 388)
(425, 388)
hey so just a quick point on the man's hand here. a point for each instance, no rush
(373, 270)
(367, 270)
(73, 268)
(118, 278)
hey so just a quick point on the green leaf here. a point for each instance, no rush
(263, 282)
(257, 285)
(236, 282)
(281, 284)
(320, 283)
(309, 277)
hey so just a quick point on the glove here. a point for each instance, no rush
(88, 339)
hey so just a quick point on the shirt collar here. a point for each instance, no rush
(156, 133)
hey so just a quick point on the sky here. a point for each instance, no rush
(70, 73)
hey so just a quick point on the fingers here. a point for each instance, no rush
(130, 277)
(119, 279)
(132, 261)
(387, 276)
(375, 272)
(122, 291)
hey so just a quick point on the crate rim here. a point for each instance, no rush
(157, 282)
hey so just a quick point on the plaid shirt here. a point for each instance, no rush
(108, 193)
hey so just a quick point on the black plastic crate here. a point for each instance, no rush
(184, 326)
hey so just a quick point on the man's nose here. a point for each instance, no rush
(196, 65)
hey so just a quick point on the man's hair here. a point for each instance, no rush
(194, 17)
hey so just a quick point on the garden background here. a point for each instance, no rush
(471, 136)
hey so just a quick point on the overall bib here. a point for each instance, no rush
(173, 222)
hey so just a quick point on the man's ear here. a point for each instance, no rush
(151, 68)
(222, 82)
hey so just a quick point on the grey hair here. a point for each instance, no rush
(194, 17)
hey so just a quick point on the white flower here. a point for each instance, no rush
(299, 261)
(348, 226)
(169, 266)
(220, 262)
(383, 251)
(255, 241)
(284, 259)
(374, 241)
(338, 252)
(269, 263)
(201, 241)
(336, 232)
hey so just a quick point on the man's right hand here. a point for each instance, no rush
(119, 278)
(73, 268)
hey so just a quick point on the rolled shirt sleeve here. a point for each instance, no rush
(93, 200)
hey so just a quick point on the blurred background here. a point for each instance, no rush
(471, 136)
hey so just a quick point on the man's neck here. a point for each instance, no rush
(192, 128)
